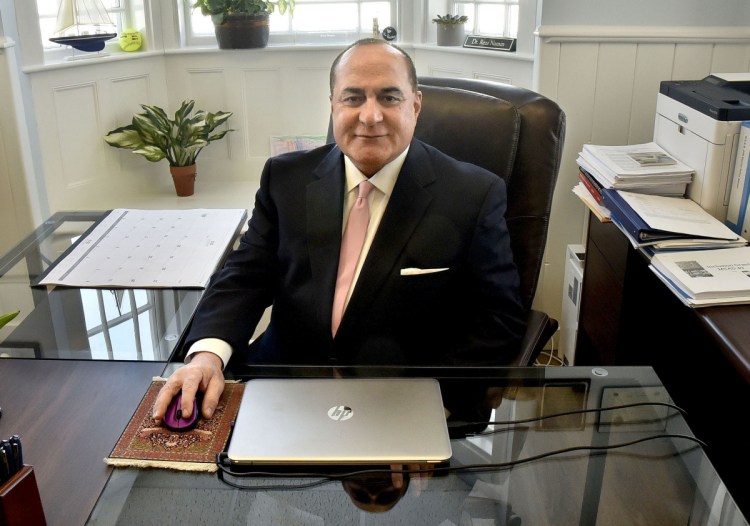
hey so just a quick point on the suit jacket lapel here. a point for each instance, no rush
(325, 204)
(406, 208)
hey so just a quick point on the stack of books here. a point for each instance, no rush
(701, 278)
(643, 168)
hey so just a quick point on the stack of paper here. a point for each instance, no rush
(667, 223)
(149, 249)
(589, 190)
(643, 168)
(701, 278)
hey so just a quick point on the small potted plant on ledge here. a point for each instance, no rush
(155, 136)
(450, 29)
(242, 24)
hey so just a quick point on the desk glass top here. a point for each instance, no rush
(73, 323)
(661, 478)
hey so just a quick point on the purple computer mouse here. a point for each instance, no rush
(173, 418)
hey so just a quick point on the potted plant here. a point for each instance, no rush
(450, 29)
(154, 135)
(242, 24)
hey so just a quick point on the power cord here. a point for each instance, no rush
(454, 424)
(550, 353)
(323, 478)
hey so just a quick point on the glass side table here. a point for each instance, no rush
(78, 323)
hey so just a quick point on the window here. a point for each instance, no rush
(314, 22)
(117, 10)
(490, 17)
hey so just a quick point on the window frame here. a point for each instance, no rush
(289, 37)
(459, 7)
(122, 16)
(164, 29)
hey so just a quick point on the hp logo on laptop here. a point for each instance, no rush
(340, 413)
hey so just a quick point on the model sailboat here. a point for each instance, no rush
(83, 24)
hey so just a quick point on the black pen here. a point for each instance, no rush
(8, 452)
(15, 442)
(4, 467)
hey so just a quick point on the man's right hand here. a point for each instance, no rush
(203, 373)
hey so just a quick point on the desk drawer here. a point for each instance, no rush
(612, 244)
(601, 304)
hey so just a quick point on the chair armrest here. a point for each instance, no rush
(539, 329)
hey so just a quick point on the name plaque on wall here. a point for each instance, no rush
(494, 43)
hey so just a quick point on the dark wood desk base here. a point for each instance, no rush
(72, 398)
(628, 317)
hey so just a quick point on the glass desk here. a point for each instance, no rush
(83, 324)
(661, 478)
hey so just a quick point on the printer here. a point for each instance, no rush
(698, 122)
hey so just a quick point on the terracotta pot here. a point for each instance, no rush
(243, 31)
(184, 179)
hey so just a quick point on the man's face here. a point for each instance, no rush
(373, 106)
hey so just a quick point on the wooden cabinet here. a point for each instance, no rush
(628, 317)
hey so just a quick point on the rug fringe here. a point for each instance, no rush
(163, 379)
(201, 467)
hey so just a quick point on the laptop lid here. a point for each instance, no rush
(332, 421)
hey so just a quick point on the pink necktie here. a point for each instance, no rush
(351, 246)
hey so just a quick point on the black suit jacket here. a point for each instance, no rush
(442, 214)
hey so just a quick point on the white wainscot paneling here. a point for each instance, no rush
(75, 107)
(306, 111)
(79, 138)
(207, 87)
(126, 94)
(507, 69)
(263, 100)
(275, 105)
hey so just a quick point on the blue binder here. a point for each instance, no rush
(633, 224)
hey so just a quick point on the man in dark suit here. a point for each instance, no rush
(435, 284)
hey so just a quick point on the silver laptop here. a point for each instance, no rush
(333, 421)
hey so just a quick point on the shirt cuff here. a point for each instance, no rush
(213, 345)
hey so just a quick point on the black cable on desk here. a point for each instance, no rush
(324, 478)
(457, 424)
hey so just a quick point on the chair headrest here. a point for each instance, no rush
(470, 126)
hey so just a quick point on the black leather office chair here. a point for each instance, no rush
(517, 134)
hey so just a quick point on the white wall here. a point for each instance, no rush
(640, 13)
(19, 207)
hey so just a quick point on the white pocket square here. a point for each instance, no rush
(419, 271)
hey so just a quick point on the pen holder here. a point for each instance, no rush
(20, 503)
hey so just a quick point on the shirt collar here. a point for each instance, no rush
(384, 179)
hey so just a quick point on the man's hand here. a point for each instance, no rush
(420, 479)
(204, 373)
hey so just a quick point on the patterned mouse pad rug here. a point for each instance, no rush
(143, 444)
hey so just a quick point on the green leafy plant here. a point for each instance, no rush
(451, 19)
(156, 136)
(219, 9)
(5, 318)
